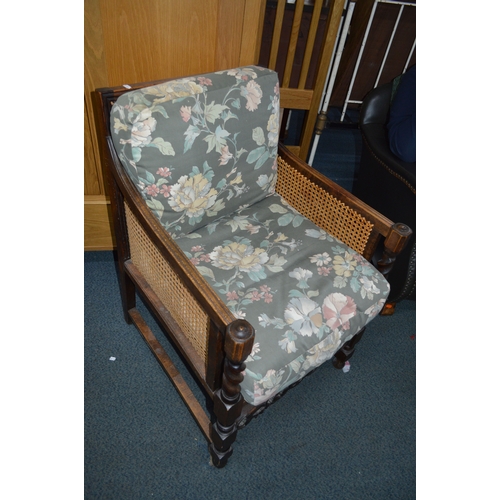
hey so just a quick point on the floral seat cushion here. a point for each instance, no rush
(199, 148)
(305, 292)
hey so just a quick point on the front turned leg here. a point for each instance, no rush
(395, 242)
(228, 401)
(347, 350)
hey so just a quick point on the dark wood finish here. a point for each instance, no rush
(167, 321)
(127, 288)
(347, 350)
(228, 401)
(230, 341)
(170, 369)
(395, 242)
(398, 238)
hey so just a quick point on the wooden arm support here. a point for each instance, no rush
(394, 243)
(228, 401)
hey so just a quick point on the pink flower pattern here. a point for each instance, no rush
(152, 190)
(164, 172)
(338, 309)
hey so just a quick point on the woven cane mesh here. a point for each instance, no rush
(174, 295)
(326, 211)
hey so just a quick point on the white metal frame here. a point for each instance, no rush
(337, 54)
(402, 5)
(345, 23)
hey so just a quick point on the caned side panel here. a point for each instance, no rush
(326, 211)
(169, 288)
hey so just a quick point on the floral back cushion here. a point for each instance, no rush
(202, 147)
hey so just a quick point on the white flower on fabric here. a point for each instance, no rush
(304, 316)
(253, 94)
(321, 259)
(267, 386)
(273, 127)
(239, 255)
(194, 195)
(144, 125)
(374, 309)
(369, 285)
(288, 342)
(302, 275)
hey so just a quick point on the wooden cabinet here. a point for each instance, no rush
(128, 41)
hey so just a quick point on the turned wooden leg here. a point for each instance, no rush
(346, 351)
(389, 309)
(228, 401)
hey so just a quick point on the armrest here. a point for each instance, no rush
(334, 209)
(376, 105)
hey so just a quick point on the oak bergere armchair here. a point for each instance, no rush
(256, 266)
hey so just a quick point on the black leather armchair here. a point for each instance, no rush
(389, 185)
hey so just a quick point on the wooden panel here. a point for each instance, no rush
(227, 51)
(295, 98)
(251, 35)
(157, 39)
(92, 176)
(97, 226)
(128, 42)
(95, 76)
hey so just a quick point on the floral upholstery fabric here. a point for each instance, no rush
(202, 152)
(304, 292)
(199, 148)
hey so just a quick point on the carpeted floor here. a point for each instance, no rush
(335, 436)
(339, 147)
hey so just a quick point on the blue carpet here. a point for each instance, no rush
(339, 147)
(334, 436)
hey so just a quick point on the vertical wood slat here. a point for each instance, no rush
(228, 41)
(253, 26)
(177, 38)
(311, 38)
(332, 24)
(278, 24)
(95, 75)
(294, 36)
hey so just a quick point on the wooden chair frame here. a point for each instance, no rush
(228, 341)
